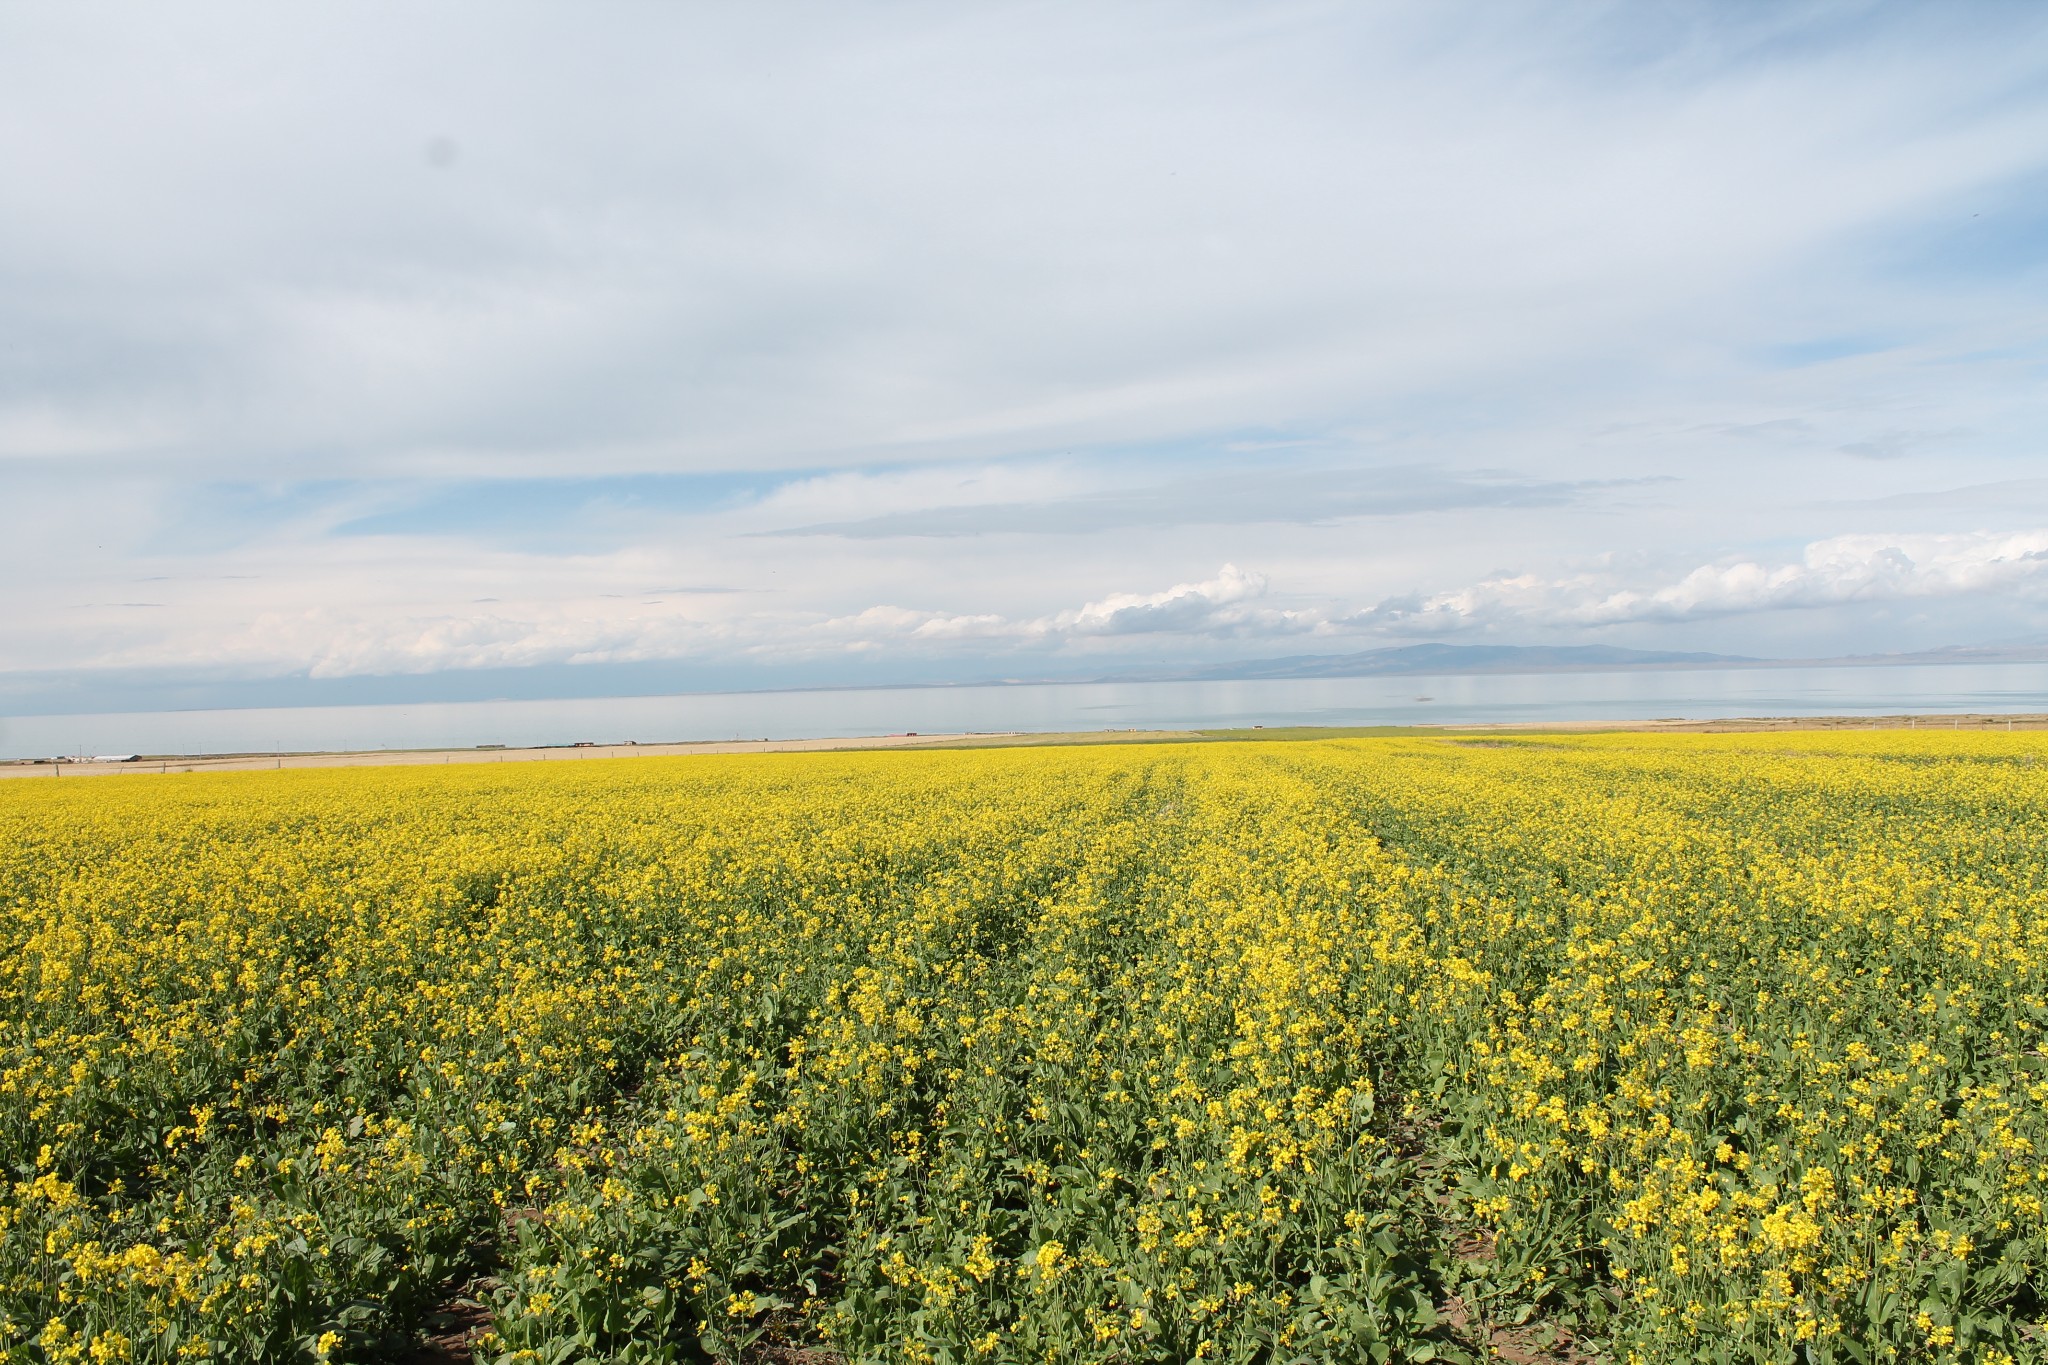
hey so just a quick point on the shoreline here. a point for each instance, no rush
(47, 769)
(490, 753)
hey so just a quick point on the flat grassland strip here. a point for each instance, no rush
(1629, 1046)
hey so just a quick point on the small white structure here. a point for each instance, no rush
(115, 758)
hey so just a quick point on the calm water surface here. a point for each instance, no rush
(1415, 700)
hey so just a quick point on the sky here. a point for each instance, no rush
(486, 349)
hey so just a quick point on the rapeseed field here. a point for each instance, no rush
(1631, 1048)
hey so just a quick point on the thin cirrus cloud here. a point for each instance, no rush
(1294, 497)
(401, 340)
(2003, 496)
(800, 245)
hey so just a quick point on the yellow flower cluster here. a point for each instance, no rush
(1765, 1015)
(1228, 1051)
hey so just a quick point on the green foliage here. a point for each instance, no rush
(1675, 1048)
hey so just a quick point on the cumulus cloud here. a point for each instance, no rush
(1233, 604)
(1223, 605)
(334, 642)
(1831, 572)
(1216, 603)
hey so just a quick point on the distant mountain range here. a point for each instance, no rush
(1440, 659)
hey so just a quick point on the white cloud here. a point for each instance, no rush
(1223, 605)
(1216, 604)
(691, 238)
(1041, 299)
(1833, 572)
(43, 431)
(1232, 604)
(330, 642)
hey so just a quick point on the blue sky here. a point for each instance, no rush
(795, 345)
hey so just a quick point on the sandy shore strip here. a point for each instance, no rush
(490, 753)
(569, 753)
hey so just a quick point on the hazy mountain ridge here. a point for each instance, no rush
(1437, 659)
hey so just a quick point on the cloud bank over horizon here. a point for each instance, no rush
(799, 345)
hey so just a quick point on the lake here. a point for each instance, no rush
(1408, 700)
